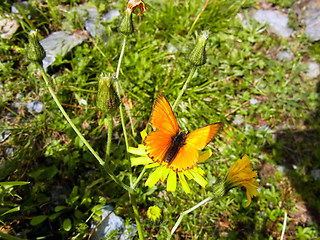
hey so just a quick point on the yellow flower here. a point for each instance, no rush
(154, 213)
(163, 172)
(133, 4)
(241, 174)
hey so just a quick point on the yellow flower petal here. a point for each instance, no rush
(184, 183)
(165, 174)
(172, 181)
(188, 174)
(143, 134)
(140, 161)
(140, 150)
(241, 174)
(154, 177)
(152, 165)
(199, 179)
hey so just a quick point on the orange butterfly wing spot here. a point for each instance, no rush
(162, 117)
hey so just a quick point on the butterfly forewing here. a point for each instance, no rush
(157, 144)
(162, 117)
(201, 137)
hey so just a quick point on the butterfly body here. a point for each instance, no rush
(168, 144)
(177, 142)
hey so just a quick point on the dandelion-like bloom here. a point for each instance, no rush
(163, 172)
(133, 4)
(241, 174)
(154, 213)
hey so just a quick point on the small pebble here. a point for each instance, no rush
(284, 56)
(35, 106)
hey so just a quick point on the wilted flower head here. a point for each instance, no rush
(133, 4)
(241, 174)
(126, 26)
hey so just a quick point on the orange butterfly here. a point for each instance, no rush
(177, 148)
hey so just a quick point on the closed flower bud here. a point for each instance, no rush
(219, 189)
(198, 55)
(126, 25)
(108, 100)
(35, 51)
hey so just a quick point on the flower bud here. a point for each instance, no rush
(154, 214)
(35, 51)
(107, 100)
(219, 189)
(198, 55)
(126, 25)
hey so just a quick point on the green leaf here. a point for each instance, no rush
(38, 219)
(67, 224)
(11, 184)
(16, 209)
(59, 208)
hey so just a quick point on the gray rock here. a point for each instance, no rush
(109, 16)
(313, 70)
(238, 120)
(8, 27)
(172, 49)
(284, 56)
(254, 101)
(113, 224)
(312, 20)
(35, 106)
(60, 43)
(315, 174)
(22, 5)
(4, 135)
(9, 152)
(95, 27)
(278, 21)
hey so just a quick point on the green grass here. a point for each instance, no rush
(67, 185)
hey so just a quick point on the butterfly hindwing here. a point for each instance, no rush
(186, 158)
(162, 117)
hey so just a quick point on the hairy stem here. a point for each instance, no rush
(94, 153)
(184, 87)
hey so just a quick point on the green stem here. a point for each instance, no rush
(136, 215)
(184, 87)
(139, 178)
(121, 55)
(94, 153)
(108, 123)
(188, 211)
(132, 194)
